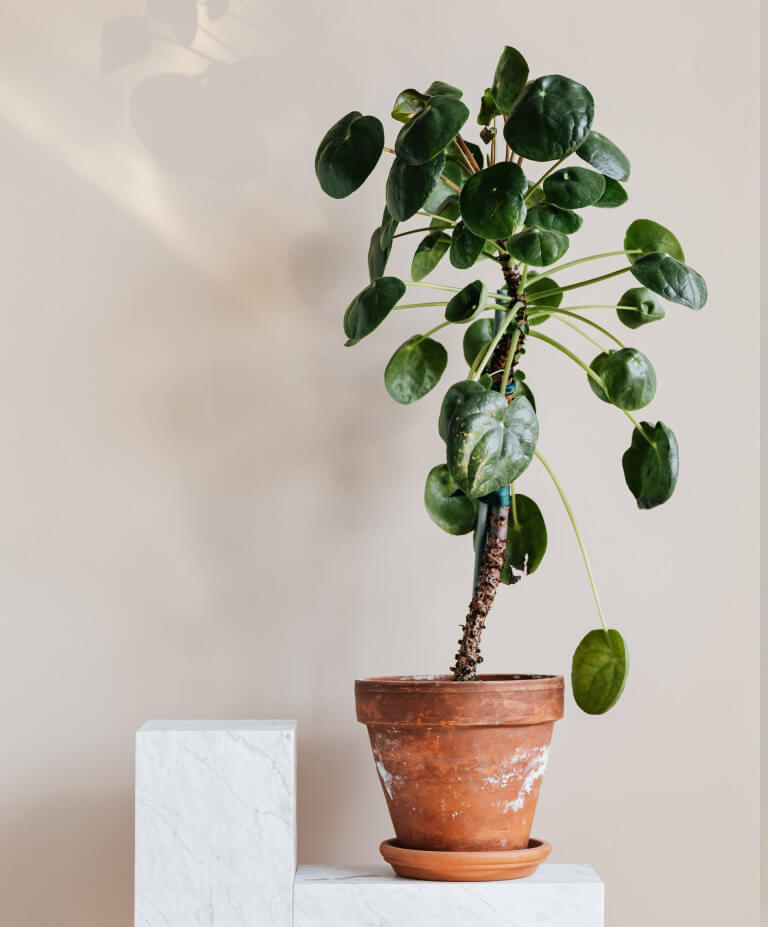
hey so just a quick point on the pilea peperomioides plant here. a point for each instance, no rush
(490, 203)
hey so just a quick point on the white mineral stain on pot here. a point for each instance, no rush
(535, 770)
(386, 777)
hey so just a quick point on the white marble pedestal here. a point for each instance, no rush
(216, 847)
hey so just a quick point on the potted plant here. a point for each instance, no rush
(461, 756)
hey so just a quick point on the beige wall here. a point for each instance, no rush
(210, 508)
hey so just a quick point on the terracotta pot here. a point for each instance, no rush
(460, 763)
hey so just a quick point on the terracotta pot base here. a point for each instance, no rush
(458, 866)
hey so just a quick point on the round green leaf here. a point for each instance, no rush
(646, 235)
(646, 307)
(453, 399)
(547, 216)
(439, 88)
(466, 247)
(526, 538)
(425, 135)
(613, 196)
(377, 256)
(509, 79)
(490, 442)
(428, 254)
(671, 279)
(414, 369)
(491, 201)
(599, 671)
(476, 338)
(574, 187)
(371, 306)
(538, 247)
(651, 464)
(542, 285)
(628, 377)
(348, 153)
(465, 305)
(604, 156)
(456, 514)
(550, 119)
(408, 104)
(408, 186)
(388, 228)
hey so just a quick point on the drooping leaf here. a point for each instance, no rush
(671, 279)
(542, 285)
(646, 307)
(414, 369)
(490, 443)
(465, 305)
(408, 186)
(491, 202)
(614, 195)
(599, 671)
(453, 399)
(408, 103)
(348, 153)
(574, 187)
(456, 514)
(466, 247)
(388, 228)
(476, 338)
(547, 216)
(646, 235)
(526, 537)
(488, 109)
(629, 380)
(550, 119)
(426, 134)
(428, 254)
(371, 306)
(509, 79)
(604, 156)
(377, 256)
(539, 247)
(651, 464)
(439, 88)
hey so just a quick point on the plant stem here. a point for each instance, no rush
(433, 215)
(509, 316)
(467, 152)
(577, 360)
(513, 506)
(389, 150)
(508, 363)
(576, 531)
(426, 228)
(543, 177)
(591, 257)
(639, 427)
(580, 318)
(450, 183)
(583, 334)
(464, 158)
(419, 305)
(575, 286)
(432, 286)
(435, 329)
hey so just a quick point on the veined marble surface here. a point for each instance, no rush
(556, 895)
(215, 823)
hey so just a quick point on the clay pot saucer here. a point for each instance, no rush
(465, 866)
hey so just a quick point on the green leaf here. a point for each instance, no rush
(547, 216)
(465, 305)
(599, 671)
(538, 247)
(439, 88)
(388, 228)
(409, 186)
(488, 109)
(415, 369)
(491, 202)
(574, 187)
(371, 306)
(614, 195)
(453, 513)
(604, 156)
(425, 135)
(377, 256)
(521, 387)
(671, 279)
(629, 380)
(466, 247)
(476, 338)
(648, 308)
(454, 172)
(408, 104)
(651, 466)
(536, 197)
(646, 235)
(428, 254)
(348, 153)
(542, 285)
(453, 399)
(550, 119)
(490, 442)
(449, 210)
(526, 537)
(509, 79)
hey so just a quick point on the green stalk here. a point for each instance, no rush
(419, 305)
(432, 286)
(508, 364)
(543, 177)
(507, 317)
(575, 286)
(580, 318)
(426, 228)
(591, 257)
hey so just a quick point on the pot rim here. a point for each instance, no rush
(515, 680)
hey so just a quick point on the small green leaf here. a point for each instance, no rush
(439, 88)
(488, 109)
(539, 247)
(466, 247)
(613, 196)
(408, 104)
(604, 156)
(409, 186)
(425, 135)
(574, 187)
(648, 308)
(476, 338)
(547, 216)
(465, 305)
(348, 153)
(453, 399)
(651, 464)
(388, 228)
(599, 671)
(543, 285)
(371, 306)
(671, 279)
(526, 537)
(428, 254)
(414, 369)
(646, 235)
(456, 514)
(509, 79)
(491, 202)
(377, 256)
(550, 119)
(629, 380)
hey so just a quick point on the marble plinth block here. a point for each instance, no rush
(215, 823)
